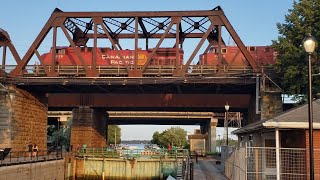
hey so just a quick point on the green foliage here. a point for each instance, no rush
(50, 130)
(175, 136)
(291, 64)
(114, 131)
(155, 138)
(62, 135)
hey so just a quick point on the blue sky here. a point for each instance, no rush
(254, 21)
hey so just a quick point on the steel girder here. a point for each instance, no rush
(148, 100)
(5, 42)
(113, 26)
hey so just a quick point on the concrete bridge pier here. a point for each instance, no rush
(88, 127)
(211, 140)
(271, 104)
(206, 138)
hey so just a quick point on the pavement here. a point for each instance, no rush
(207, 169)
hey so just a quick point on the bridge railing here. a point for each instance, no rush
(132, 153)
(121, 71)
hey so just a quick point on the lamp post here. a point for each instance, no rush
(219, 149)
(226, 124)
(309, 44)
(58, 132)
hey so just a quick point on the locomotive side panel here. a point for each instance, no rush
(231, 55)
(108, 57)
(167, 56)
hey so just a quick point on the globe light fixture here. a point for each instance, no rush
(309, 44)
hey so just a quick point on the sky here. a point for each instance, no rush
(254, 21)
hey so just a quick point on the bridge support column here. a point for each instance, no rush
(88, 127)
(23, 119)
(211, 142)
(271, 100)
(271, 104)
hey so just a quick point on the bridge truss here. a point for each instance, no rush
(85, 29)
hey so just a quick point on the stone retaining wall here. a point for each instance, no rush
(50, 170)
(23, 119)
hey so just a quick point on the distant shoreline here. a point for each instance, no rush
(136, 142)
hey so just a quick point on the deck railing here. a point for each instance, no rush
(121, 71)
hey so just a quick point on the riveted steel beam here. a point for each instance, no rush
(5, 41)
(149, 100)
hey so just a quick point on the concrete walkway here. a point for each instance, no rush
(206, 169)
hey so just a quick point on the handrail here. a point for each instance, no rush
(23, 157)
(152, 70)
(132, 153)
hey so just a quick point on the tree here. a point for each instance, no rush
(114, 131)
(292, 61)
(175, 136)
(61, 136)
(155, 138)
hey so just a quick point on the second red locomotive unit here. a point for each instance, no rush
(231, 55)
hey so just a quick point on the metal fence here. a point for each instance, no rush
(23, 157)
(235, 165)
(255, 163)
(132, 153)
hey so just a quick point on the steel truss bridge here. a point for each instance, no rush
(190, 87)
(117, 28)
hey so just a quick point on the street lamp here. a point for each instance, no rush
(309, 44)
(226, 125)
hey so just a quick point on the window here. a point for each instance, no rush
(60, 51)
(212, 49)
(252, 48)
(267, 49)
(270, 153)
(223, 50)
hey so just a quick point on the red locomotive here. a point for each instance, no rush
(231, 55)
(66, 56)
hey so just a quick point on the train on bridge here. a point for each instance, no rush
(110, 57)
(230, 55)
(81, 60)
